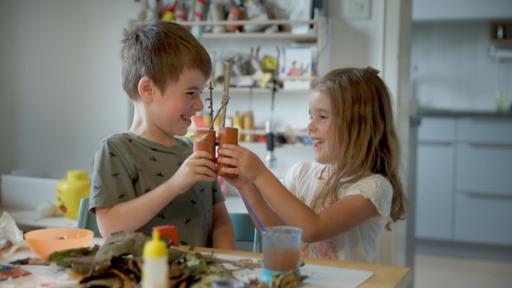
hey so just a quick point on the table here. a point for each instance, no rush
(382, 275)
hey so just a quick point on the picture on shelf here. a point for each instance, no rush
(296, 61)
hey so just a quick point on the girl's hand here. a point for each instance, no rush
(244, 163)
(198, 167)
(240, 184)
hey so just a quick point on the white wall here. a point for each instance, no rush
(60, 83)
(451, 67)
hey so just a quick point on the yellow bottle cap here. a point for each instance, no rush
(155, 247)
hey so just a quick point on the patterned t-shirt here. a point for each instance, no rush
(359, 243)
(126, 166)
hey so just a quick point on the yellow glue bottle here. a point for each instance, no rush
(156, 267)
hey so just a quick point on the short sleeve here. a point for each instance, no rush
(291, 178)
(111, 181)
(375, 188)
(217, 193)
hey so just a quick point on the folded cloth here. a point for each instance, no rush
(11, 238)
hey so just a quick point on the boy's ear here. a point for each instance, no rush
(146, 89)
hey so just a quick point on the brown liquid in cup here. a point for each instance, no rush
(281, 259)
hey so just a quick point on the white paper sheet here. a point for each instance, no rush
(318, 276)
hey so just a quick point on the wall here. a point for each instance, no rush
(60, 84)
(451, 67)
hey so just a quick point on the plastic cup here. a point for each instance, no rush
(281, 251)
(228, 135)
(204, 140)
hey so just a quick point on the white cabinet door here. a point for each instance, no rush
(435, 10)
(481, 218)
(434, 202)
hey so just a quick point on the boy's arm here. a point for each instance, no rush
(133, 214)
(223, 235)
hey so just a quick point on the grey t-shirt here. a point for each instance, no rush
(126, 166)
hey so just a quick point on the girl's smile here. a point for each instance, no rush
(320, 113)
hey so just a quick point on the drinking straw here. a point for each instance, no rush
(258, 223)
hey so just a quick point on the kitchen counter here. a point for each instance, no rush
(429, 112)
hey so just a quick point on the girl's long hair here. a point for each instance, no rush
(364, 137)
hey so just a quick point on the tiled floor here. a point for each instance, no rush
(452, 272)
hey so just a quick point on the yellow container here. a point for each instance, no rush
(70, 191)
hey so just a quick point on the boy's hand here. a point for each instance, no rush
(198, 167)
(244, 163)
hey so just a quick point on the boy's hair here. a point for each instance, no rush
(363, 130)
(160, 51)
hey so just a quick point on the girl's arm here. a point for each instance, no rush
(341, 216)
(255, 202)
(223, 235)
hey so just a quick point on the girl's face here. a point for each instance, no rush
(319, 127)
(172, 109)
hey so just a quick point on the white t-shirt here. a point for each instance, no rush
(361, 242)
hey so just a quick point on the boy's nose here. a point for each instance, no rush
(198, 105)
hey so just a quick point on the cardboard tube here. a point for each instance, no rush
(228, 135)
(204, 140)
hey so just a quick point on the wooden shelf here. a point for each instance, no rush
(502, 42)
(309, 38)
(302, 37)
(259, 91)
(245, 22)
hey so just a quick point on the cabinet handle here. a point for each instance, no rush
(491, 145)
(435, 142)
(489, 195)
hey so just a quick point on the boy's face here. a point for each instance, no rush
(320, 114)
(171, 109)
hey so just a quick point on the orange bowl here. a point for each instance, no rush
(44, 242)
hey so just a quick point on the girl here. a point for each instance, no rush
(343, 200)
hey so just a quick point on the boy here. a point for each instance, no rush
(147, 176)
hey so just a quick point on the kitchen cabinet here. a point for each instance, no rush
(464, 182)
(434, 200)
(441, 10)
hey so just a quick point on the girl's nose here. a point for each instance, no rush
(311, 126)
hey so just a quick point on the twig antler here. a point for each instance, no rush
(225, 95)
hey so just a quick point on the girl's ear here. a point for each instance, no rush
(146, 89)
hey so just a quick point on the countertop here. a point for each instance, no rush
(432, 112)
